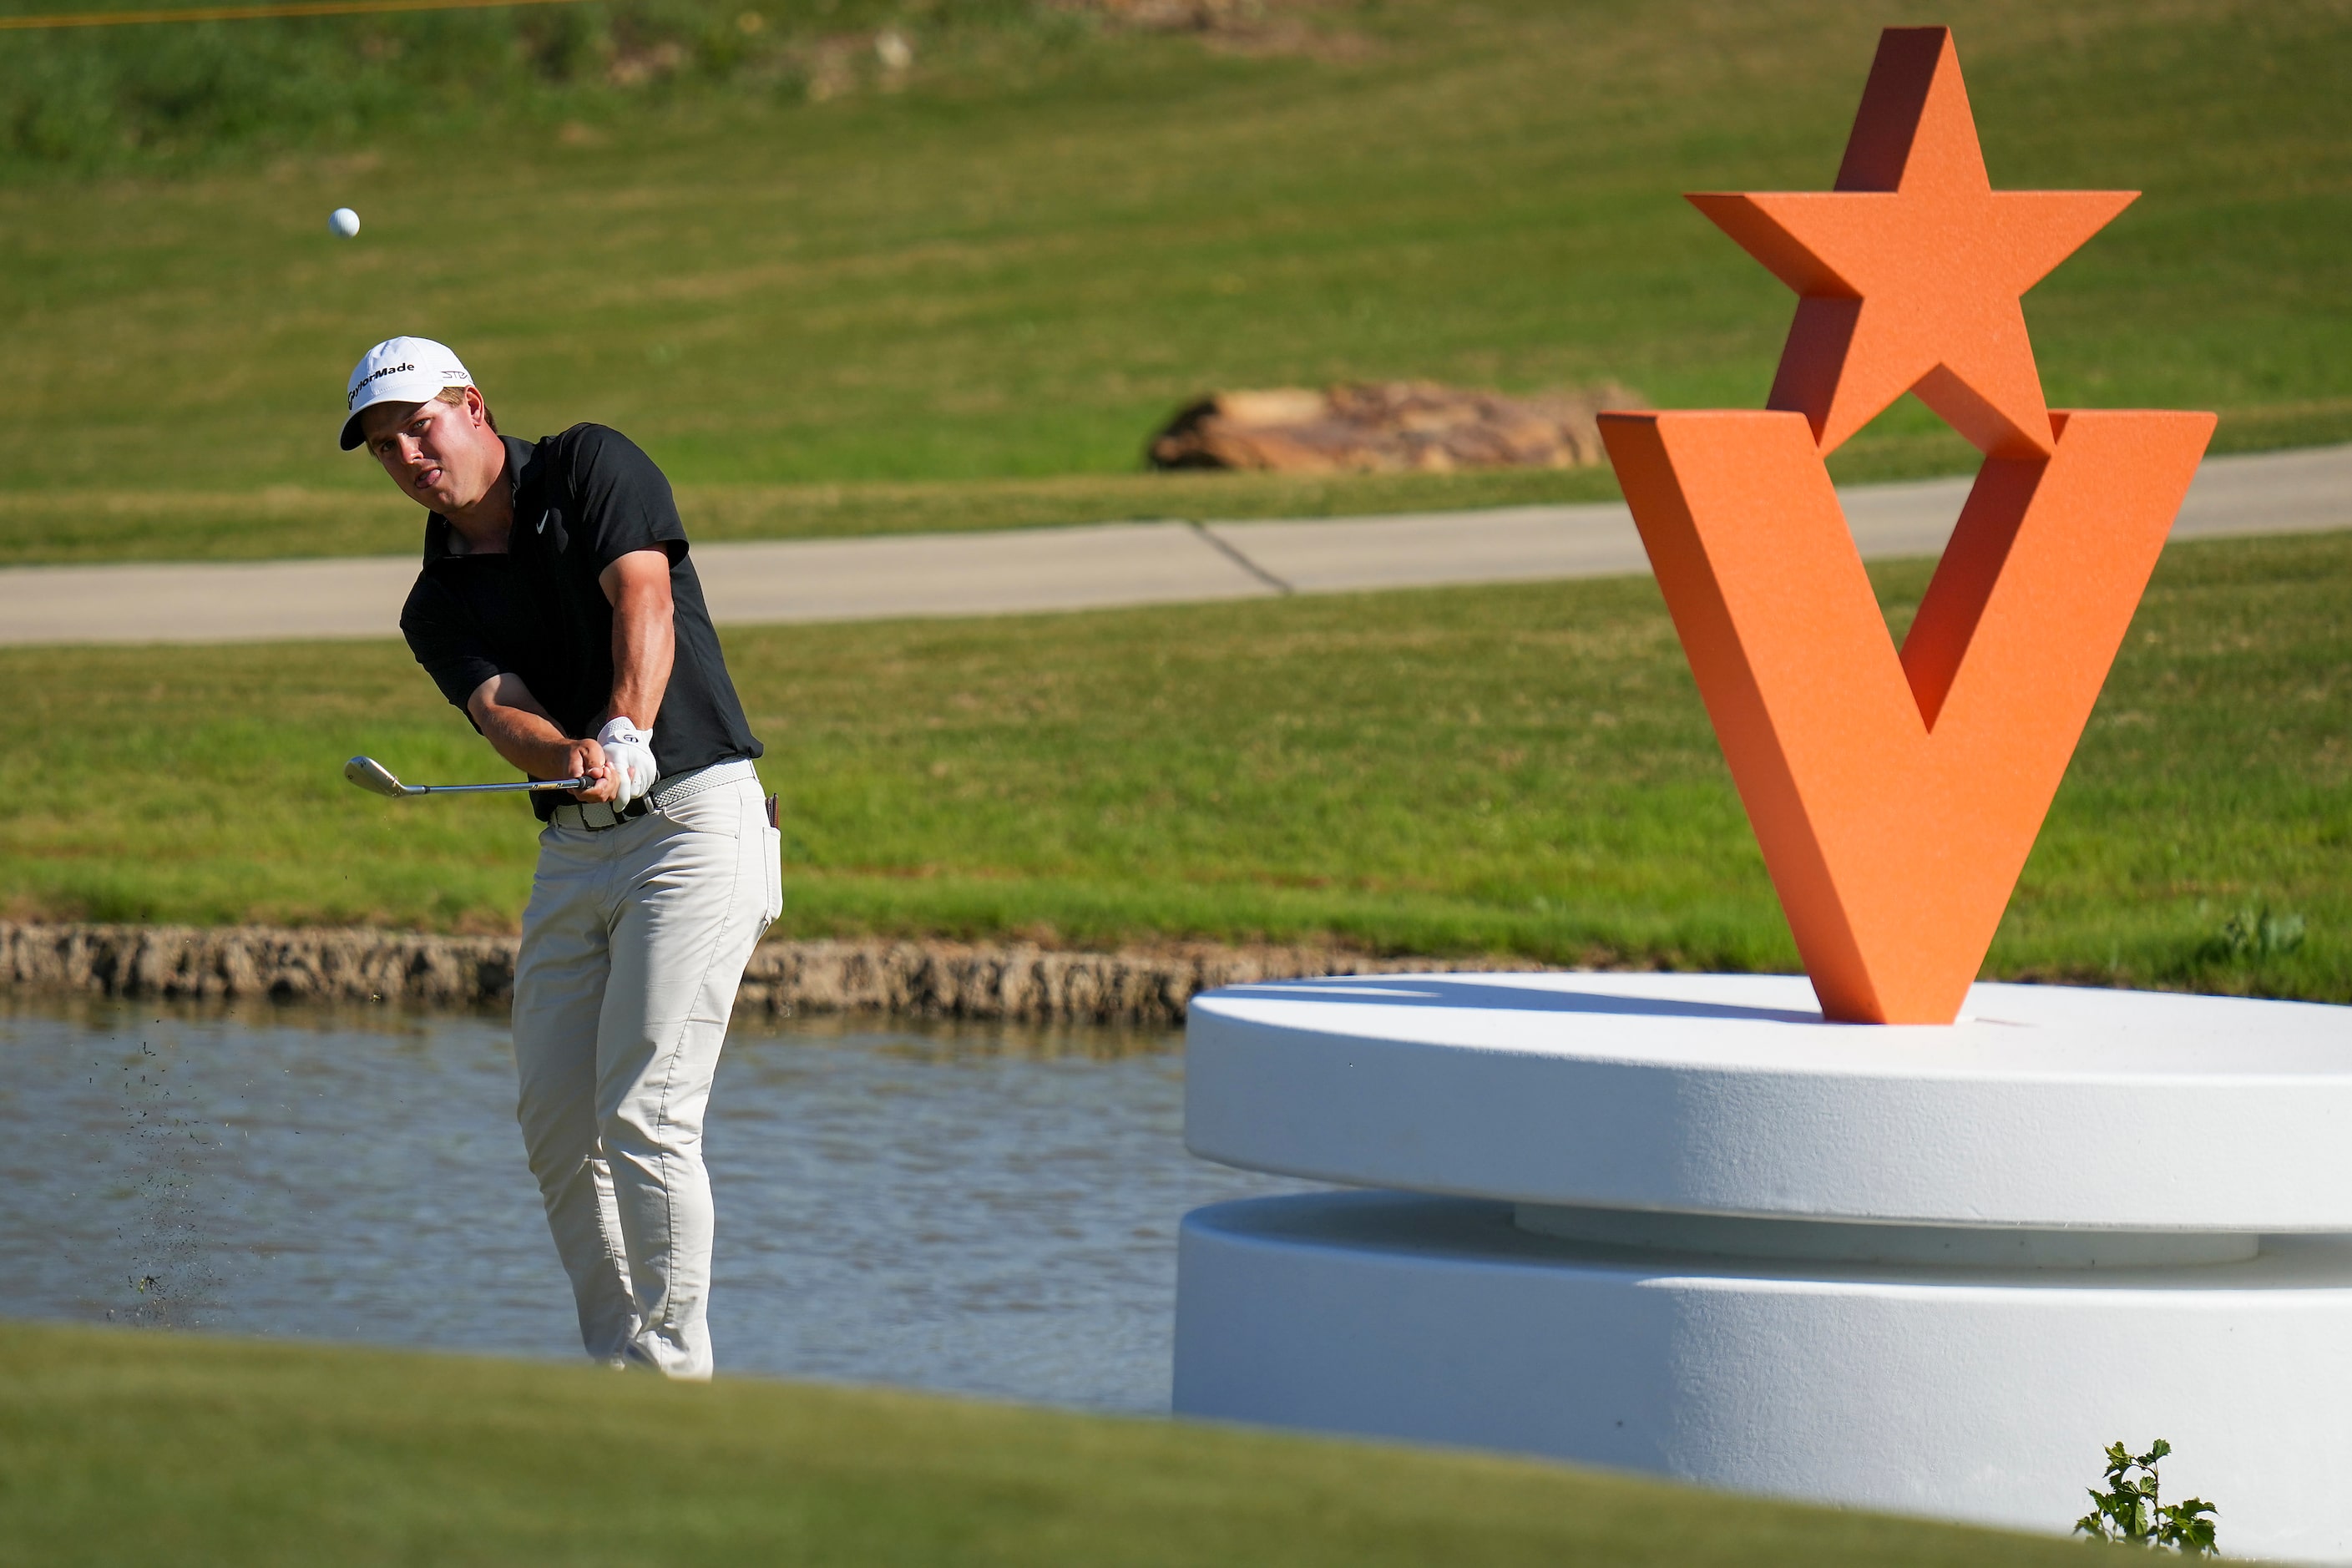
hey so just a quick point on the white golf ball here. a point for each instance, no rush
(343, 221)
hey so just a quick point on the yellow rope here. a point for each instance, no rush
(250, 13)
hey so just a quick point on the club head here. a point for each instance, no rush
(374, 777)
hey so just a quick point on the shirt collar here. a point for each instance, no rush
(522, 471)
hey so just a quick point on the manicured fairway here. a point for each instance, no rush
(122, 1446)
(1517, 769)
(933, 307)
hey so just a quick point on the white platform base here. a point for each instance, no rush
(1687, 1226)
(1980, 1393)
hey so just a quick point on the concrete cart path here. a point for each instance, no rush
(1101, 567)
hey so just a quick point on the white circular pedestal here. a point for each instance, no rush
(1690, 1228)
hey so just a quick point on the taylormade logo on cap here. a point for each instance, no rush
(398, 370)
(354, 394)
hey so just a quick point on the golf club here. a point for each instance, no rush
(376, 779)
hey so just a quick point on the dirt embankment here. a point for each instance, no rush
(932, 979)
(1392, 426)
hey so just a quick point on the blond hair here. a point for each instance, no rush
(456, 395)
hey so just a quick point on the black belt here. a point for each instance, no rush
(591, 810)
(665, 790)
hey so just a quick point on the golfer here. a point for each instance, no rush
(558, 611)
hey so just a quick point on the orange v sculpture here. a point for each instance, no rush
(1896, 796)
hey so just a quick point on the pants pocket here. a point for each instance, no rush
(716, 811)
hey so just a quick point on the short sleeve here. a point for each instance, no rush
(623, 502)
(450, 651)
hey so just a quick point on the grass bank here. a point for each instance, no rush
(121, 1447)
(1521, 769)
(933, 301)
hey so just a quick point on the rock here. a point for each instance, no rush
(1174, 15)
(1395, 426)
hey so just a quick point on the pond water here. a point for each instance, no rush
(967, 1208)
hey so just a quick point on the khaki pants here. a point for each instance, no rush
(633, 945)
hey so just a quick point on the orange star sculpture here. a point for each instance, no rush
(1896, 795)
(1909, 274)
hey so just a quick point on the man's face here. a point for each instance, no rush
(443, 455)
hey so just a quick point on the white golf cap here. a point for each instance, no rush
(398, 370)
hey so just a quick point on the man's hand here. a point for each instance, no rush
(629, 754)
(586, 759)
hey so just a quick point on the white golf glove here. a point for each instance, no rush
(630, 753)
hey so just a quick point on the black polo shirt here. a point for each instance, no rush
(581, 500)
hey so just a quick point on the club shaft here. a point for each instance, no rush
(495, 788)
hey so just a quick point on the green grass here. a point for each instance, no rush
(965, 303)
(122, 1447)
(1523, 769)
